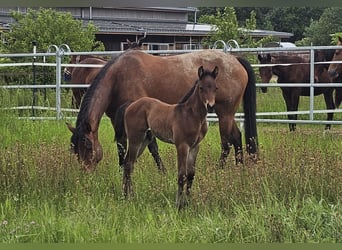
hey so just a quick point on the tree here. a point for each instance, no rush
(46, 27)
(227, 28)
(320, 31)
(292, 19)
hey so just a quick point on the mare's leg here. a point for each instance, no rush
(329, 101)
(338, 96)
(182, 156)
(237, 142)
(290, 101)
(153, 148)
(230, 135)
(120, 139)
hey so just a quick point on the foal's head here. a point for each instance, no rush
(207, 85)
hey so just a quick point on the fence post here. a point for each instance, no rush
(59, 54)
(34, 90)
(312, 81)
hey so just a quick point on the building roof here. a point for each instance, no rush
(171, 28)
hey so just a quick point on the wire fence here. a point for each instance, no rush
(59, 52)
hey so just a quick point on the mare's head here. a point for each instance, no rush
(335, 69)
(321, 69)
(265, 72)
(75, 59)
(85, 145)
(207, 85)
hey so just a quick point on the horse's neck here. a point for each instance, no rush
(196, 105)
(95, 105)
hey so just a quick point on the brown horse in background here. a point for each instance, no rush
(297, 72)
(135, 74)
(335, 72)
(183, 124)
(85, 75)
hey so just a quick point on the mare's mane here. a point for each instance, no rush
(192, 90)
(83, 113)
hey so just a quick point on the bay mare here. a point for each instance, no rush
(183, 124)
(298, 72)
(136, 74)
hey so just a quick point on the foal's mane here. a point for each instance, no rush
(192, 90)
(83, 113)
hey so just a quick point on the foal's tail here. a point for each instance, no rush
(249, 108)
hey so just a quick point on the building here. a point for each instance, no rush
(166, 28)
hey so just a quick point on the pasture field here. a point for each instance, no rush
(292, 194)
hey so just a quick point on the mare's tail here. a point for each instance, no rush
(249, 108)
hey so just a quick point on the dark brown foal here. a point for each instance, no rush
(183, 124)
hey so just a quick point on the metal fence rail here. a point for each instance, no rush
(63, 50)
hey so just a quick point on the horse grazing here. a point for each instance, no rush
(298, 72)
(335, 72)
(135, 74)
(183, 124)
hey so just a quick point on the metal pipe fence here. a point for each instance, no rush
(63, 50)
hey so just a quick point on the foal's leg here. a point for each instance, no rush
(328, 97)
(191, 161)
(121, 139)
(137, 143)
(182, 156)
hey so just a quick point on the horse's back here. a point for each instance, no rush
(86, 74)
(168, 78)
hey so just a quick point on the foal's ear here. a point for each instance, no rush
(70, 127)
(215, 72)
(200, 72)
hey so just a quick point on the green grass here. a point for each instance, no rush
(292, 194)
